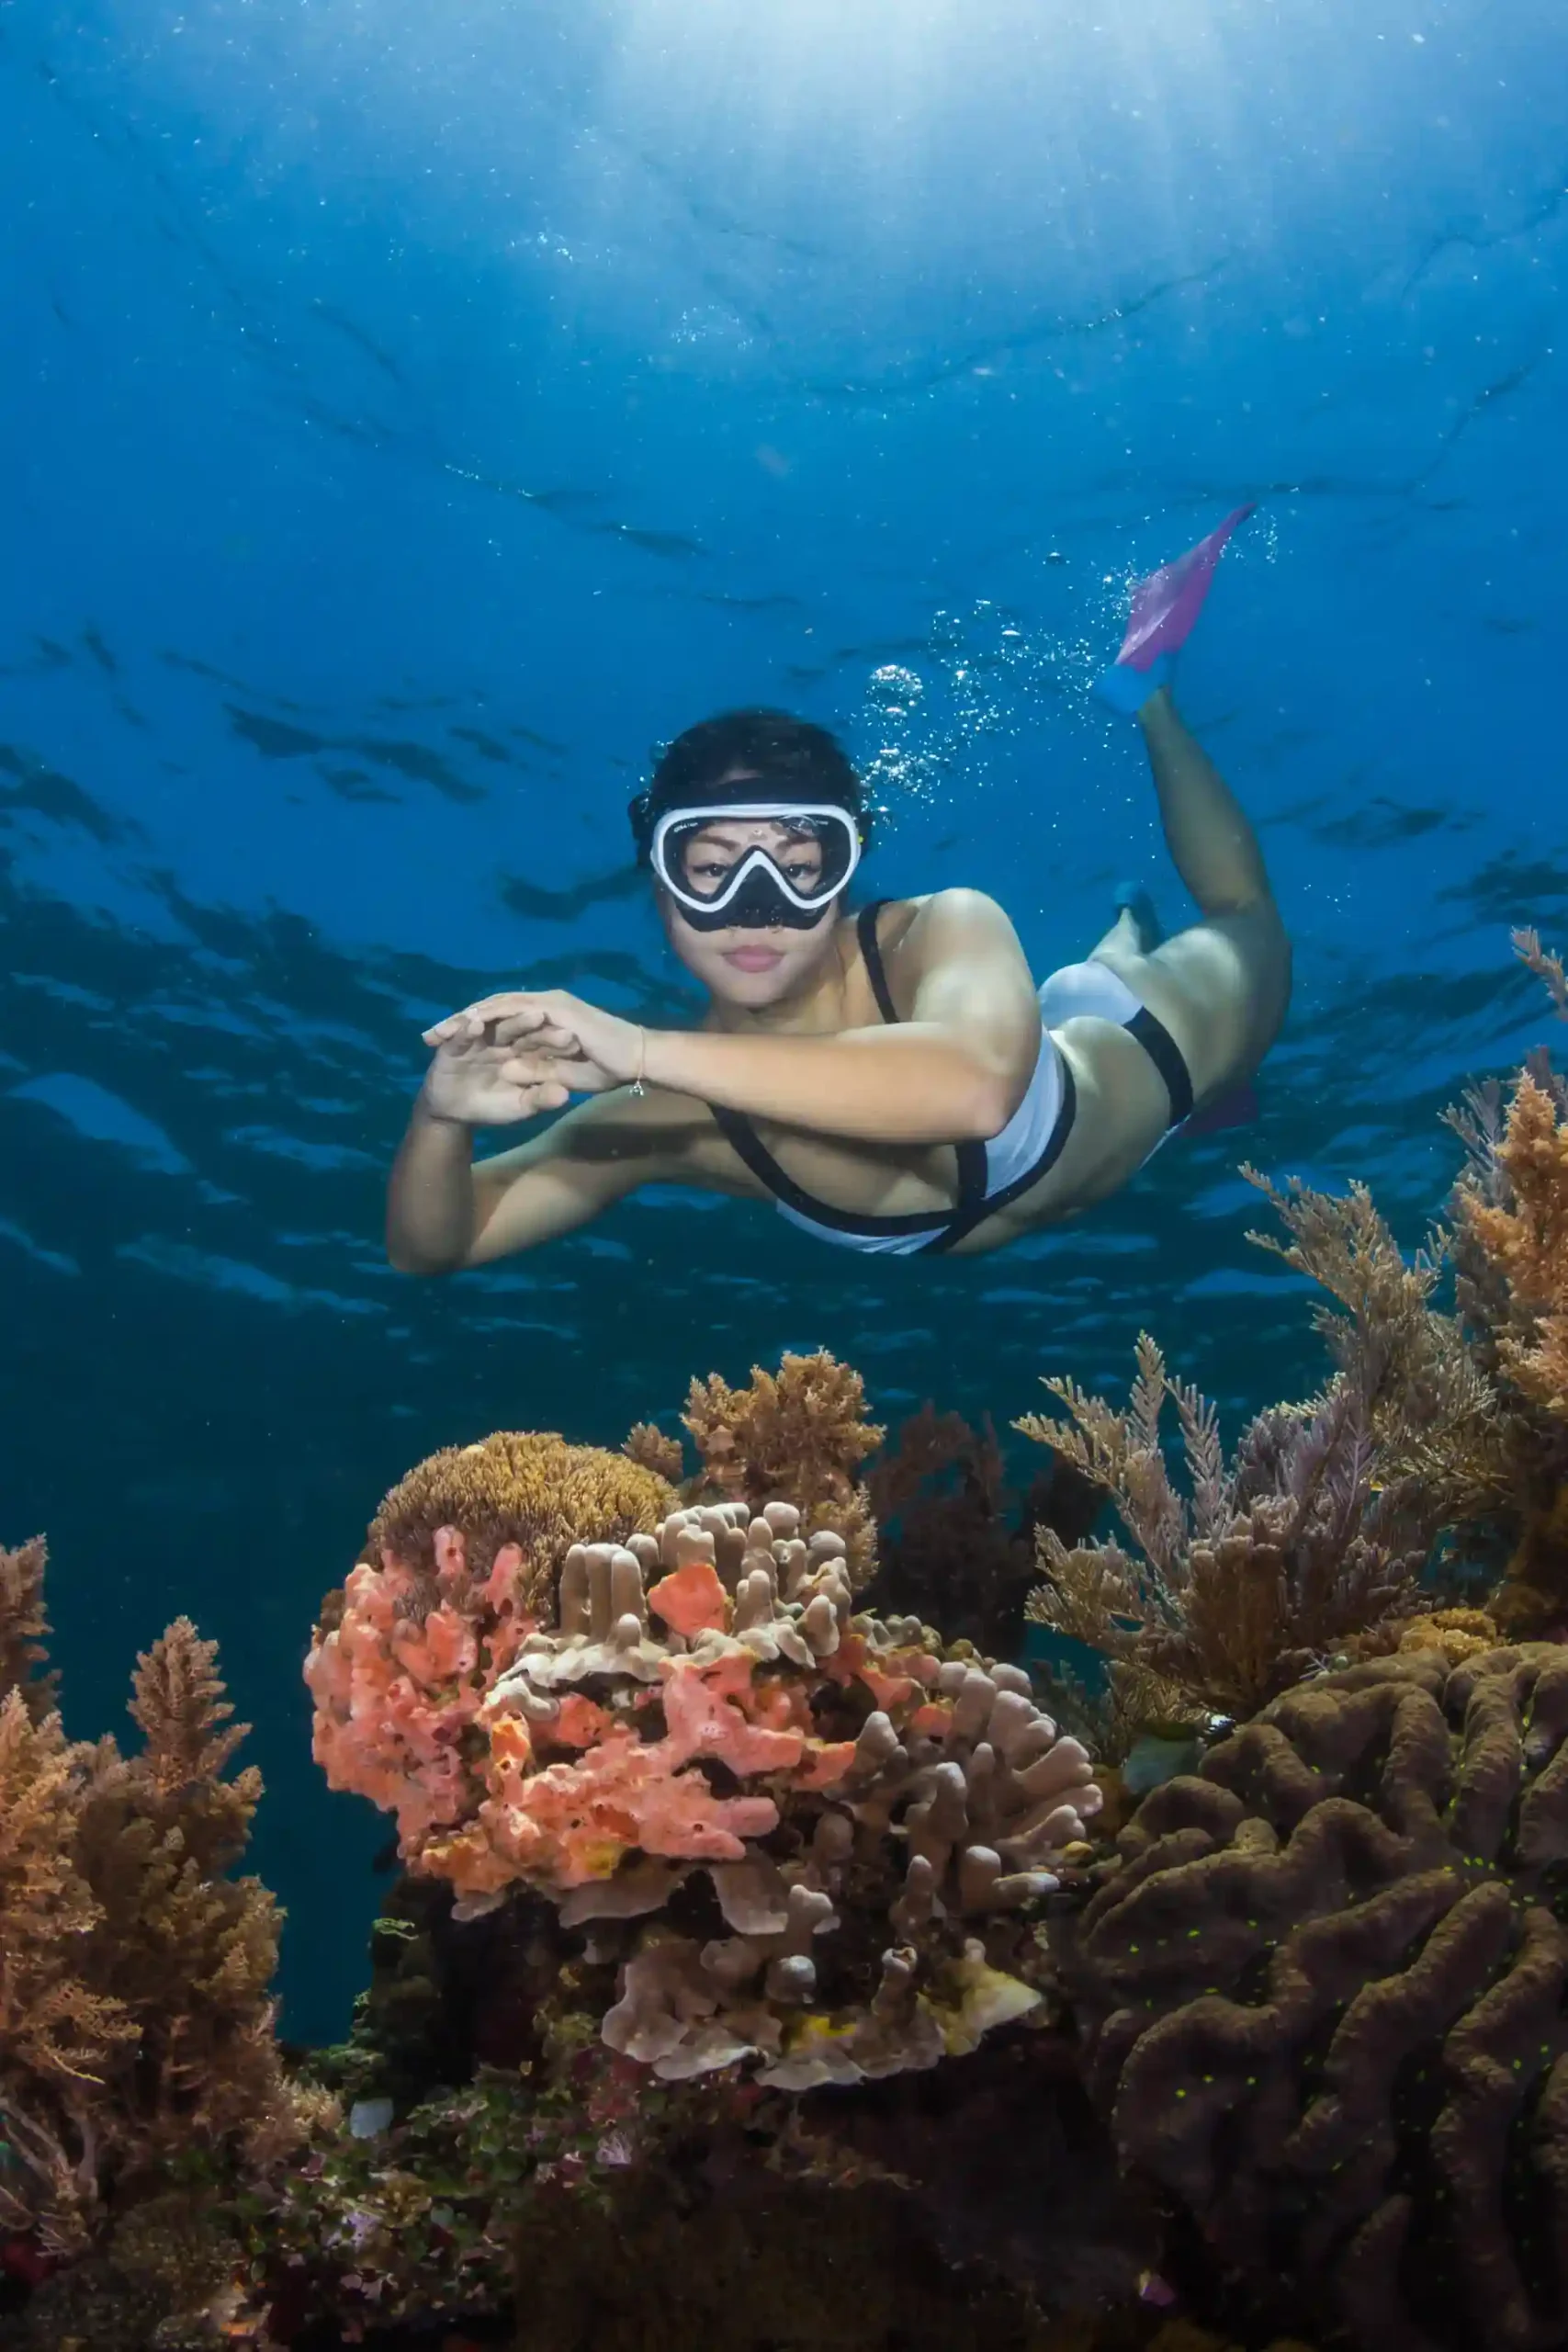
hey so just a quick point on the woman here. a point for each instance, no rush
(896, 1081)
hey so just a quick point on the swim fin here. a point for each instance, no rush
(1165, 605)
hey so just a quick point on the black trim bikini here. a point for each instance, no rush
(992, 1174)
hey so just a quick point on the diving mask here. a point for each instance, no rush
(717, 889)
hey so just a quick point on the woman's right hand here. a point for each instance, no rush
(464, 1083)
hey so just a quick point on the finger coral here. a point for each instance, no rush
(810, 1840)
(1323, 1993)
(1268, 1561)
(136, 2025)
(798, 1435)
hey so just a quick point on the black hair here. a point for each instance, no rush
(789, 757)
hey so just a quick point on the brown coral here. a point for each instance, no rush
(1323, 1996)
(800, 1434)
(646, 1443)
(24, 1627)
(526, 1487)
(1429, 1406)
(1269, 1561)
(1526, 1236)
(135, 2022)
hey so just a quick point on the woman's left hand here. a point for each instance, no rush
(588, 1050)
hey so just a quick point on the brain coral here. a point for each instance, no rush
(1323, 1996)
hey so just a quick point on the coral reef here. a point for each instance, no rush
(1323, 1990)
(1272, 1559)
(712, 2211)
(136, 2026)
(458, 1568)
(1428, 1402)
(798, 1435)
(806, 1840)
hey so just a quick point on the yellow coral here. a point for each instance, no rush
(518, 1487)
(135, 2020)
(647, 1444)
(24, 1628)
(52, 2025)
(800, 1434)
(1460, 1633)
(1526, 1238)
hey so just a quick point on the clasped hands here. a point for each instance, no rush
(524, 1051)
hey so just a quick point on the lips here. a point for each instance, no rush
(753, 959)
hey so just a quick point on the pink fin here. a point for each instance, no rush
(1237, 1109)
(1167, 603)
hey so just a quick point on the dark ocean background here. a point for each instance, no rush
(408, 416)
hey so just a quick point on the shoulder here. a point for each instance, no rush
(945, 923)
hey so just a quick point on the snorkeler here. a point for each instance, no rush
(893, 1081)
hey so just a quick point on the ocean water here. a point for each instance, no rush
(409, 417)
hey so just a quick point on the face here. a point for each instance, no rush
(749, 967)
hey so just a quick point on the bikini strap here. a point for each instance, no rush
(875, 970)
(974, 1173)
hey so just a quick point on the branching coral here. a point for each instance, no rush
(527, 1493)
(1525, 1235)
(834, 1832)
(1323, 1997)
(24, 1627)
(1509, 1241)
(798, 1435)
(648, 1444)
(1431, 1409)
(1269, 1561)
(135, 2022)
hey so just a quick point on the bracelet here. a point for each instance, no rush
(637, 1086)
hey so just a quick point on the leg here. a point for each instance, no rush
(1222, 987)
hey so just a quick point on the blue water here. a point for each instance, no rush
(408, 416)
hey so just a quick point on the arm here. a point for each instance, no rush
(958, 1067)
(444, 1214)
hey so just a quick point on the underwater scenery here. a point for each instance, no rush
(935, 615)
